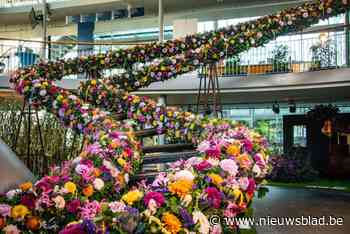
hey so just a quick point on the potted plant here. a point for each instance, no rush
(323, 55)
(279, 59)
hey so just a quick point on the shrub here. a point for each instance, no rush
(295, 166)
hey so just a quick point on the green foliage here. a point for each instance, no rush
(280, 59)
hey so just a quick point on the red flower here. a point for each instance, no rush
(204, 165)
(73, 206)
(214, 197)
(28, 201)
(156, 196)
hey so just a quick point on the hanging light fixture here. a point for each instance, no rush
(276, 108)
(292, 107)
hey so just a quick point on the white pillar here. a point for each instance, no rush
(216, 24)
(129, 10)
(44, 30)
(161, 20)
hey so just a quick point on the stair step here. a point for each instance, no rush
(167, 148)
(168, 157)
(148, 132)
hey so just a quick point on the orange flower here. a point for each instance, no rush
(88, 191)
(180, 187)
(26, 186)
(172, 223)
(97, 172)
(244, 161)
(233, 150)
(33, 223)
(2, 222)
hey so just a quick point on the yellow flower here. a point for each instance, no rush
(26, 186)
(216, 179)
(172, 223)
(93, 82)
(19, 212)
(233, 150)
(180, 187)
(121, 162)
(70, 187)
(132, 196)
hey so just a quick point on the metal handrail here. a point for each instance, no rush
(98, 43)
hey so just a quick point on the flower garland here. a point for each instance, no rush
(227, 41)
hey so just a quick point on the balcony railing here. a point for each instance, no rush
(19, 3)
(295, 53)
(16, 54)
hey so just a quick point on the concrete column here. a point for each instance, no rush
(44, 31)
(161, 20)
(184, 27)
(216, 24)
(129, 10)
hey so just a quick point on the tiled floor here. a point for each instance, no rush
(285, 202)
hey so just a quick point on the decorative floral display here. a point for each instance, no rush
(92, 193)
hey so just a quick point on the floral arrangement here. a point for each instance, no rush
(91, 194)
(78, 197)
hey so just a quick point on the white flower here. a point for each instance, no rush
(186, 200)
(117, 207)
(329, 10)
(76, 160)
(305, 15)
(193, 161)
(256, 170)
(184, 175)
(229, 166)
(12, 193)
(11, 229)
(59, 202)
(42, 92)
(199, 217)
(243, 183)
(152, 206)
(98, 184)
(213, 162)
(203, 146)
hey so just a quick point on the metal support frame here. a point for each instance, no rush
(27, 112)
(208, 98)
(44, 30)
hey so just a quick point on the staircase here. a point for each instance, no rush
(157, 157)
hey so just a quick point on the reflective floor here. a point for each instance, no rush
(295, 202)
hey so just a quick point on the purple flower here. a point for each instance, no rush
(187, 218)
(89, 226)
(5, 210)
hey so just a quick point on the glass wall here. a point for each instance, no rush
(266, 122)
